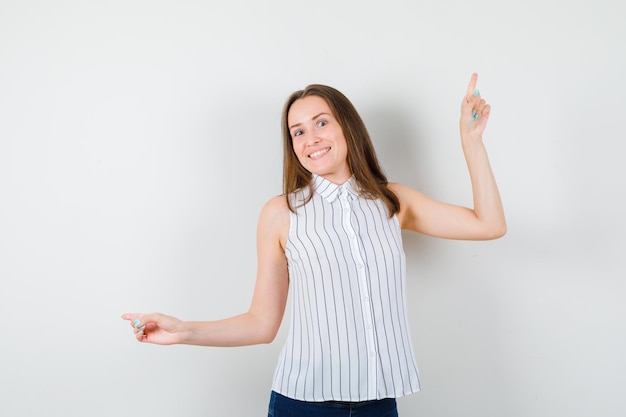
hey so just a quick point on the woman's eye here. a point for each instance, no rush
(322, 123)
(297, 133)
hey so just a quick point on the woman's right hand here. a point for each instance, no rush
(155, 328)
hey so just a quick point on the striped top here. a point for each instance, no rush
(349, 336)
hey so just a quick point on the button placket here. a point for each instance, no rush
(366, 308)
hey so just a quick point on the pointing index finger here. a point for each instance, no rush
(471, 88)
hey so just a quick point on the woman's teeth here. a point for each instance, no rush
(319, 153)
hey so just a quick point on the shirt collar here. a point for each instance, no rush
(330, 191)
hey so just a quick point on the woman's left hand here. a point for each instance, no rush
(474, 112)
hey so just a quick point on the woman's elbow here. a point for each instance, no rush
(266, 329)
(496, 231)
(267, 335)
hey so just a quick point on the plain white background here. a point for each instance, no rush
(139, 140)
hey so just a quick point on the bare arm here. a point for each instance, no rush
(261, 322)
(486, 220)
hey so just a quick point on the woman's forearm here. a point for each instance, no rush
(242, 330)
(487, 202)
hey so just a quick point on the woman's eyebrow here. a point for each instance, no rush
(312, 118)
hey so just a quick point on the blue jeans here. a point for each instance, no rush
(281, 406)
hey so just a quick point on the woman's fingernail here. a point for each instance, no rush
(140, 333)
(476, 92)
(476, 116)
(474, 113)
(136, 323)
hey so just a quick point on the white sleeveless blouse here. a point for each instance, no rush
(349, 337)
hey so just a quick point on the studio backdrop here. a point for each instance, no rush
(140, 139)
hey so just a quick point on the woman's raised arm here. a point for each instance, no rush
(486, 219)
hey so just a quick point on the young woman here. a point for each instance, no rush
(334, 236)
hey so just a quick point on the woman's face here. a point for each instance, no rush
(318, 139)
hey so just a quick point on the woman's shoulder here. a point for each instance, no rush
(402, 191)
(276, 204)
(396, 186)
(275, 211)
(410, 200)
(274, 219)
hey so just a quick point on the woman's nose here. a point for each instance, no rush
(313, 139)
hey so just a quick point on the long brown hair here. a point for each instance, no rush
(362, 159)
